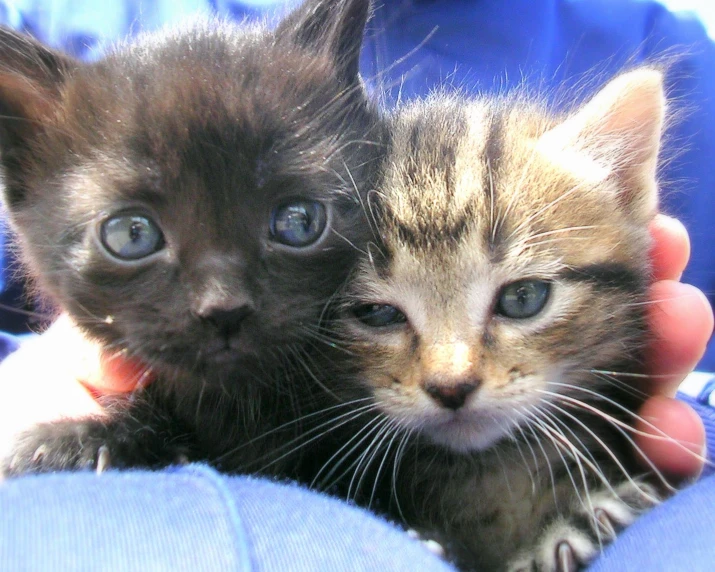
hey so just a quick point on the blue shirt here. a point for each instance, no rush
(477, 45)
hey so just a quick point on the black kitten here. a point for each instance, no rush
(191, 201)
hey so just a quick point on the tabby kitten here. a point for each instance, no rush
(507, 283)
(192, 201)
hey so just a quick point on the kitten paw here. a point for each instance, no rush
(569, 544)
(90, 445)
(56, 447)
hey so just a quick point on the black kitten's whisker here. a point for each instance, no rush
(385, 72)
(352, 244)
(319, 335)
(31, 313)
(368, 213)
(371, 198)
(303, 358)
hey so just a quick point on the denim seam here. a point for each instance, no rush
(243, 546)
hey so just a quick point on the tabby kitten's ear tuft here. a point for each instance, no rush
(618, 134)
(31, 79)
(333, 25)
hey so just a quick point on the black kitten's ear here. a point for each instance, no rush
(333, 25)
(31, 79)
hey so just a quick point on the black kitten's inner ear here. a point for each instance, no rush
(31, 79)
(333, 25)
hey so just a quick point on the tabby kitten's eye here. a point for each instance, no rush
(523, 299)
(131, 236)
(379, 315)
(298, 223)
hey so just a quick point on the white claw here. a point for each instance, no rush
(565, 557)
(605, 523)
(434, 547)
(104, 459)
(40, 452)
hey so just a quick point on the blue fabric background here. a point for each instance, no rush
(193, 519)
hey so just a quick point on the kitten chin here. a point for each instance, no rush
(498, 322)
(193, 200)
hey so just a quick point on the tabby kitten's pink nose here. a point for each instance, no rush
(452, 396)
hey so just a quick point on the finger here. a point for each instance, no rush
(119, 374)
(681, 456)
(98, 372)
(681, 322)
(671, 248)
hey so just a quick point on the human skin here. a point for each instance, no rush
(60, 373)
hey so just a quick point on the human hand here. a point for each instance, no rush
(681, 321)
(58, 375)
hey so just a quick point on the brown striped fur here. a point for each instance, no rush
(478, 194)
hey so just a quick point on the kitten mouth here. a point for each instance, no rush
(463, 432)
(222, 356)
(222, 352)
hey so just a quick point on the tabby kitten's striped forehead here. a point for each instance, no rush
(513, 254)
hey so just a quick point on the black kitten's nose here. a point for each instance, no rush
(451, 396)
(227, 322)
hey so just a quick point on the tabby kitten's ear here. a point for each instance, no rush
(333, 26)
(617, 135)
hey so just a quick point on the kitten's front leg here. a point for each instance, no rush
(125, 439)
(571, 542)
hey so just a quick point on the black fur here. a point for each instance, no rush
(208, 130)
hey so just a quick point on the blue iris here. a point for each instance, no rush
(298, 223)
(523, 299)
(131, 236)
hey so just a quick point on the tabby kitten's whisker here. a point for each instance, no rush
(332, 423)
(548, 424)
(344, 452)
(608, 450)
(366, 458)
(658, 434)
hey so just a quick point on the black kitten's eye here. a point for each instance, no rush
(523, 299)
(131, 236)
(379, 315)
(298, 223)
